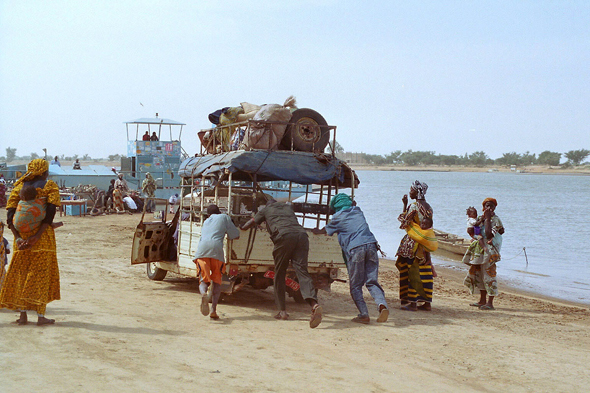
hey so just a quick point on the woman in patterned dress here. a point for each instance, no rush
(413, 259)
(32, 280)
(482, 271)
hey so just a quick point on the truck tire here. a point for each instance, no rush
(154, 272)
(308, 130)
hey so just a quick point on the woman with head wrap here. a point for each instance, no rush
(413, 254)
(33, 278)
(149, 189)
(482, 271)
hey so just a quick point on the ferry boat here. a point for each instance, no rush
(160, 157)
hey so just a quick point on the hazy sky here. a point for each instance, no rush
(445, 76)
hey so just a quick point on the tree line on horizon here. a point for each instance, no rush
(11, 156)
(409, 158)
(478, 158)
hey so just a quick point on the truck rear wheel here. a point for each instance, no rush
(307, 128)
(154, 272)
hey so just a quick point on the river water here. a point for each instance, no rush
(546, 214)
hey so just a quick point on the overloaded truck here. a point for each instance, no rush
(240, 181)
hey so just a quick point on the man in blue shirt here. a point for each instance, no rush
(360, 249)
(209, 256)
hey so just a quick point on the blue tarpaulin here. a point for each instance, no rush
(298, 167)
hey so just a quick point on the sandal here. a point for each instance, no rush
(486, 307)
(360, 319)
(22, 321)
(214, 316)
(409, 307)
(383, 313)
(45, 321)
(205, 305)
(478, 305)
(316, 316)
(425, 307)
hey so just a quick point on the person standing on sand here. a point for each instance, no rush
(209, 256)
(360, 248)
(2, 191)
(32, 280)
(413, 255)
(149, 189)
(291, 244)
(482, 271)
(109, 196)
(4, 251)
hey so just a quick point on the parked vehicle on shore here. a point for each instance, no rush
(240, 182)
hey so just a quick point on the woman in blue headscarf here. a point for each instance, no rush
(413, 254)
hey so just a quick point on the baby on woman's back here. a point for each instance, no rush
(30, 211)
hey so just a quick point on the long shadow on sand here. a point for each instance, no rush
(118, 329)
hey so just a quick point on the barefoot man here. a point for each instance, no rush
(209, 256)
(291, 244)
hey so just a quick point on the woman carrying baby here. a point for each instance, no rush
(32, 280)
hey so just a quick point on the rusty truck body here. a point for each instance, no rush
(240, 182)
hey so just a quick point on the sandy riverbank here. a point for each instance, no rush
(118, 331)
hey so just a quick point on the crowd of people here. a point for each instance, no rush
(32, 279)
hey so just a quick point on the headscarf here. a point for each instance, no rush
(149, 185)
(420, 189)
(489, 200)
(37, 167)
(340, 201)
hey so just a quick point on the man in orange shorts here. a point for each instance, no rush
(209, 256)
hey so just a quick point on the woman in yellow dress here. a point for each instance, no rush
(32, 280)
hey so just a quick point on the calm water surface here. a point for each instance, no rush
(546, 214)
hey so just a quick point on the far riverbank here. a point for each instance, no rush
(536, 169)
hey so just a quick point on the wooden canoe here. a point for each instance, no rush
(451, 245)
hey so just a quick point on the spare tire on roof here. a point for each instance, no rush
(307, 130)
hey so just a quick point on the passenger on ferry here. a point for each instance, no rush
(146, 136)
(77, 164)
(154, 137)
